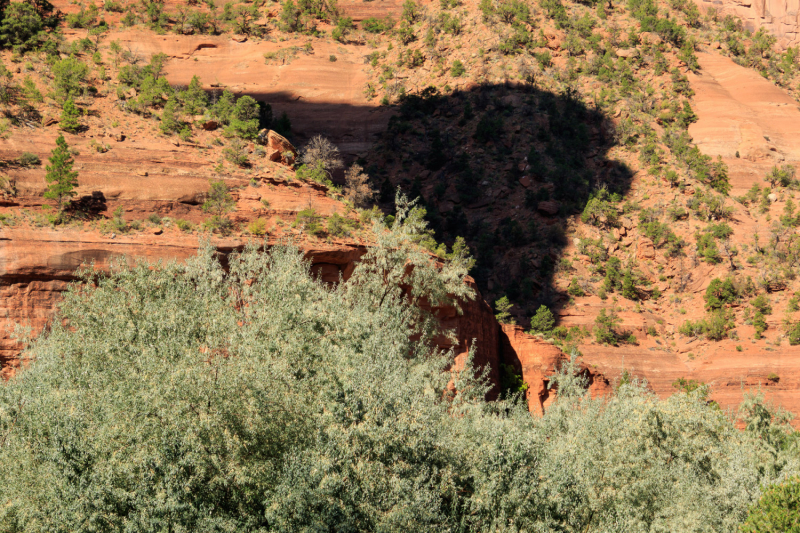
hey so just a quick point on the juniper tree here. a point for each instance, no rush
(69, 117)
(61, 179)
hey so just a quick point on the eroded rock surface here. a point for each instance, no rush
(779, 17)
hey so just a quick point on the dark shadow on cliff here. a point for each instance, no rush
(505, 166)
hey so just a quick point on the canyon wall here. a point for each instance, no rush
(779, 17)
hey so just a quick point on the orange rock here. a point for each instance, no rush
(278, 146)
(536, 360)
(645, 249)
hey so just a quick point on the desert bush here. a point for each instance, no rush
(309, 221)
(339, 226)
(219, 200)
(457, 69)
(715, 326)
(257, 227)
(374, 25)
(28, 159)
(21, 27)
(320, 152)
(783, 176)
(600, 209)
(69, 75)
(184, 225)
(502, 308)
(215, 384)
(358, 189)
(605, 329)
(720, 293)
(69, 117)
(236, 153)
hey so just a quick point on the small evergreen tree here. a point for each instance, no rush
(61, 179)
(543, 321)
(502, 306)
(218, 203)
(170, 121)
(69, 117)
(194, 98)
(629, 286)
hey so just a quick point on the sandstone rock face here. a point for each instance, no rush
(36, 266)
(536, 360)
(320, 96)
(742, 113)
(780, 17)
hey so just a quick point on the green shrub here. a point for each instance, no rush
(309, 220)
(113, 6)
(794, 334)
(762, 305)
(629, 288)
(600, 209)
(374, 25)
(457, 70)
(21, 27)
(339, 226)
(574, 288)
(777, 510)
(257, 227)
(28, 159)
(605, 328)
(69, 76)
(715, 326)
(783, 176)
(720, 293)
(236, 153)
(219, 202)
(218, 223)
(184, 225)
(170, 118)
(511, 382)
(759, 323)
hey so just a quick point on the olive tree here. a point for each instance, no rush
(192, 397)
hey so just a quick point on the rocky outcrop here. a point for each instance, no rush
(536, 360)
(36, 266)
(780, 18)
(279, 149)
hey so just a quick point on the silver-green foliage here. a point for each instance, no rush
(189, 397)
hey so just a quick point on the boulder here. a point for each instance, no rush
(210, 125)
(645, 249)
(525, 181)
(278, 147)
(630, 52)
(549, 208)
